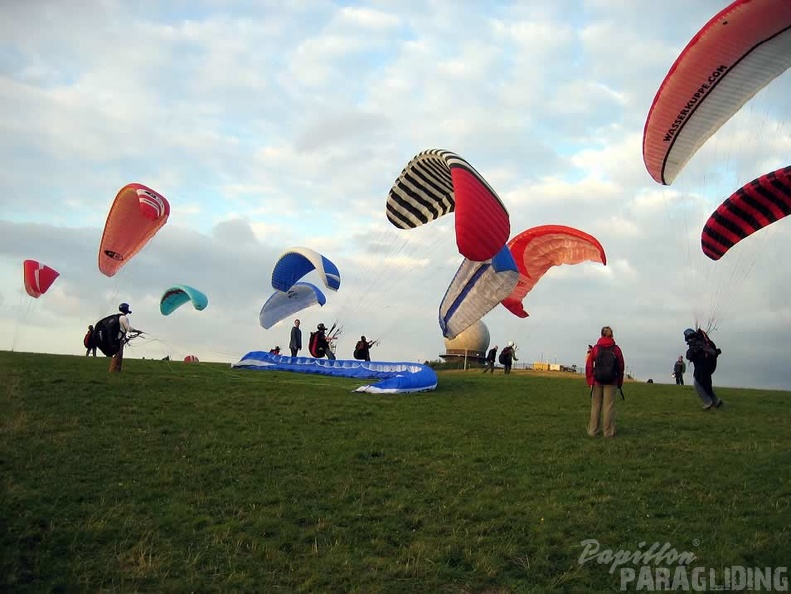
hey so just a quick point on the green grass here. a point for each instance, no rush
(174, 477)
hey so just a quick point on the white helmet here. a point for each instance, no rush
(510, 343)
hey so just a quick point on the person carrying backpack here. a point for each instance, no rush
(703, 353)
(604, 371)
(89, 341)
(507, 357)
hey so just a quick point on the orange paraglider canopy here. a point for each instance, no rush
(136, 215)
(538, 249)
(38, 278)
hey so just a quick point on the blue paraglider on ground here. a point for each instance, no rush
(394, 378)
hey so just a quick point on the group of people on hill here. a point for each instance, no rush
(506, 358)
(321, 343)
(604, 372)
(604, 364)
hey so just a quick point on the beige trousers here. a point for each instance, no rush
(602, 411)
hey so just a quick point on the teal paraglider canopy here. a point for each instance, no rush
(178, 295)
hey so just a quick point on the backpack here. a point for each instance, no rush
(605, 365)
(317, 345)
(87, 341)
(359, 350)
(505, 356)
(106, 335)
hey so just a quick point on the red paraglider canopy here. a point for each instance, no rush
(191, 359)
(38, 278)
(763, 201)
(537, 249)
(739, 51)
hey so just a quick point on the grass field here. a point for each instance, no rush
(174, 477)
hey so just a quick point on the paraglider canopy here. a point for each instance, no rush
(738, 52)
(297, 262)
(752, 207)
(436, 182)
(191, 359)
(538, 249)
(282, 304)
(37, 277)
(476, 288)
(178, 295)
(137, 213)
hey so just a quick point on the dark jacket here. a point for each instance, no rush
(491, 356)
(296, 338)
(605, 341)
(703, 353)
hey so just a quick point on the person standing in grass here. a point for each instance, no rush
(89, 341)
(507, 357)
(604, 371)
(295, 343)
(703, 353)
(679, 367)
(124, 329)
(491, 357)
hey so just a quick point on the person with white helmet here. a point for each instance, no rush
(508, 356)
(124, 329)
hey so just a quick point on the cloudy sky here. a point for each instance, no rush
(271, 124)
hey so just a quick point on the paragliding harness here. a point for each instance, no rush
(506, 355)
(318, 345)
(106, 335)
(361, 348)
(710, 351)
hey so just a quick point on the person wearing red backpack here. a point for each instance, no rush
(604, 371)
(89, 341)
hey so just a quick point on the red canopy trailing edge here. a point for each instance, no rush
(738, 52)
(136, 215)
(437, 182)
(537, 249)
(38, 278)
(752, 207)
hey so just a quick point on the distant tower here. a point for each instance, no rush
(473, 342)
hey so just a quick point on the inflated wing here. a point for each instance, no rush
(437, 182)
(135, 216)
(752, 207)
(738, 52)
(392, 378)
(282, 304)
(295, 263)
(476, 288)
(38, 277)
(537, 249)
(178, 295)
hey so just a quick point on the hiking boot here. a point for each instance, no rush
(708, 406)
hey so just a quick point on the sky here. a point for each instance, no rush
(269, 125)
